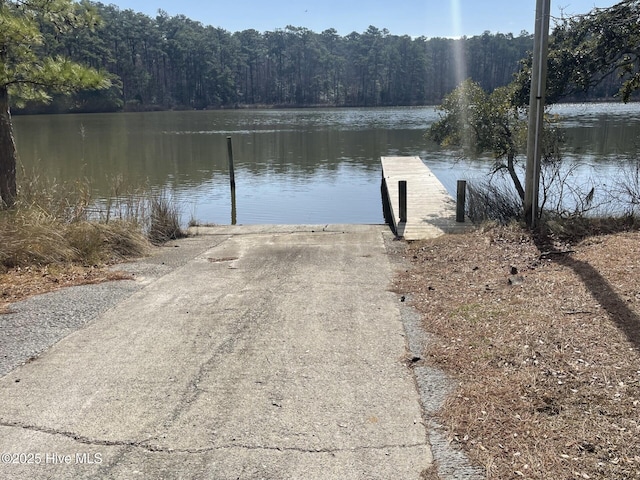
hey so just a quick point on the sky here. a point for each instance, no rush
(431, 18)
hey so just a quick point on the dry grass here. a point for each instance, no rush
(40, 253)
(54, 236)
(164, 222)
(544, 340)
(30, 238)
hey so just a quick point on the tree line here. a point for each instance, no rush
(173, 62)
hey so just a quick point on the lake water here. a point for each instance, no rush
(292, 166)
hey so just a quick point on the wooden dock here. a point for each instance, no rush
(431, 211)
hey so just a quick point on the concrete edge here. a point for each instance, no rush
(433, 384)
(280, 229)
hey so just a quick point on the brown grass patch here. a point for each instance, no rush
(30, 238)
(55, 236)
(545, 349)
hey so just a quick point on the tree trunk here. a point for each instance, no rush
(514, 175)
(8, 154)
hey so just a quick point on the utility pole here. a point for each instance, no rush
(536, 111)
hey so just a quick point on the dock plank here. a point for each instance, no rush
(431, 211)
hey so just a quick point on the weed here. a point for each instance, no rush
(58, 223)
(164, 220)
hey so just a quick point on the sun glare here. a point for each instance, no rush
(459, 57)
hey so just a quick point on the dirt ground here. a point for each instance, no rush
(543, 338)
(19, 283)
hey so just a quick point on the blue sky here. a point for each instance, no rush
(431, 18)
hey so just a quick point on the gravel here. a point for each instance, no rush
(38, 322)
(433, 384)
(35, 324)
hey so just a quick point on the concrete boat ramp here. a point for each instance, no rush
(270, 353)
(257, 352)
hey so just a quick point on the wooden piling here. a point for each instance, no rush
(232, 182)
(461, 201)
(232, 173)
(234, 210)
(402, 189)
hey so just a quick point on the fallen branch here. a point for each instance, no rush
(555, 252)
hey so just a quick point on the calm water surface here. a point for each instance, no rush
(292, 166)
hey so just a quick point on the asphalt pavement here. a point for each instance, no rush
(262, 353)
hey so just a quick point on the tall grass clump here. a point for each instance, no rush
(488, 201)
(155, 213)
(124, 203)
(31, 236)
(60, 223)
(164, 224)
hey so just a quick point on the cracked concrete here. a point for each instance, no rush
(284, 361)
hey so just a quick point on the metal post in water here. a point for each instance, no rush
(232, 182)
(402, 189)
(234, 213)
(232, 173)
(461, 201)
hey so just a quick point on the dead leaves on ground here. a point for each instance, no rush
(547, 364)
(20, 283)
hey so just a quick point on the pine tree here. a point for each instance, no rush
(29, 73)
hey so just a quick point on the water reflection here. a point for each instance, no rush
(292, 166)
